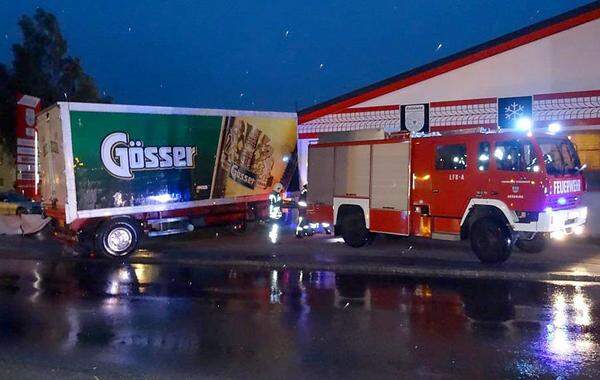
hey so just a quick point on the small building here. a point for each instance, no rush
(548, 72)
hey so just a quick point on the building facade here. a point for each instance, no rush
(547, 72)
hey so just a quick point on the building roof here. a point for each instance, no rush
(482, 51)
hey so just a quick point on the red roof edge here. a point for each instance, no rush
(499, 45)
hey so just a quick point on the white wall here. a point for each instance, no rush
(566, 61)
(303, 159)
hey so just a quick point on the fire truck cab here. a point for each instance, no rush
(497, 189)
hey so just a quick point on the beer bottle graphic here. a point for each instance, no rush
(246, 157)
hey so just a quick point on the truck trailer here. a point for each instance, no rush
(110, 173)
(496, 188)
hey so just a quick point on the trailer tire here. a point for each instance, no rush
(535, 245)
(354, 230)
(491, 240)
(118, 238)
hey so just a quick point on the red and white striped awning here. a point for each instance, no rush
(574, 110)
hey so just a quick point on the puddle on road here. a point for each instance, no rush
(187, 313)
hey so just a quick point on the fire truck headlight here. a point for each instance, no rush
(554, 128)
(558, 235)
(325, 225)
(302, 204)
(578, 230)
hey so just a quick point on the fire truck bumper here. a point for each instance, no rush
(564, 221)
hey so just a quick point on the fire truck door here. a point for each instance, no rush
(481, 178)
(448, 182)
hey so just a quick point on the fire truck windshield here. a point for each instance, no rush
(559, 155)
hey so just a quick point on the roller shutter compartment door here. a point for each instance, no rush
(352, 171)
(390, 177)
(320, 175)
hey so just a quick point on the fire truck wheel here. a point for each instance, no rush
(535, 245)
(354, 231)
(491, 240)
(118, 238)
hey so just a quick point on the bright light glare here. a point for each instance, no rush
(274, 233)
(558, 235)
(578, 230)
(524, 124)
(499, 153)
(124, 275)
(325, 225)
(286, 158)
(562, 201)
(162, 198)
(559, 342)
(548, 209)
(554, 127)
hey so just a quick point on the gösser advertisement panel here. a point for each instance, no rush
(140, 161)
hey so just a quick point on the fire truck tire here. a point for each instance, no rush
(535, 245)
(354, 230)
(491, 240)
(118, 238)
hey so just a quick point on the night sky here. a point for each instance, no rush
(265, 55)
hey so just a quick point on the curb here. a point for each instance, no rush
(367, 269)
(483, 274)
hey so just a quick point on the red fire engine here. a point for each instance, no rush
(495, 188)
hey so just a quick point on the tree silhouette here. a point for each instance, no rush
(41, 67)
(7, 109)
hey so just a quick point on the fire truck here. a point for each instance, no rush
(495, 188)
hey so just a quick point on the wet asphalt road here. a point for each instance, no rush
(576, 259)
(96, 319)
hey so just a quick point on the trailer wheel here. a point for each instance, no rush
(535, 245)
(491, 240)
(354, 230)
(118, 238)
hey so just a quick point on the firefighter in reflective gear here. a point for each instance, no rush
(303, 228)
(275, 202)
(275, 214)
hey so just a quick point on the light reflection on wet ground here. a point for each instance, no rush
(96, 318)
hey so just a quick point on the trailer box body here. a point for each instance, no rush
(103, 160)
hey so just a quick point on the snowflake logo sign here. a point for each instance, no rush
(513, 111)
(510, 110)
